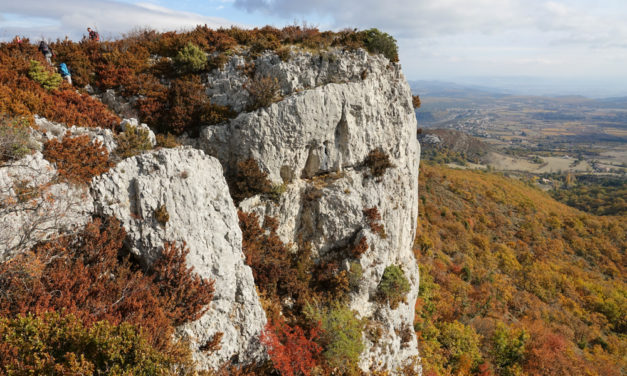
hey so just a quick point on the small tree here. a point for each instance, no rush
(341, 335)
(249, 181)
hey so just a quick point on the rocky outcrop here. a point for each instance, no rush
(180, 195)
(47, 130)
(35, 206)
(315, 141)
(304, 70)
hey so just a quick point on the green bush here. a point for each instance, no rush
(355, 275)
(167, 140)
(15, 141)
(190, 59)
(341, 335)
(133, 141)
(61, 345)
(49, 80)
(393, 287)
(461, 343)
(383, 43)
(508, 349)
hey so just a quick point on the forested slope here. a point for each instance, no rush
(515, 283)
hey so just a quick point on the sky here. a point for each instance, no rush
(565, 46)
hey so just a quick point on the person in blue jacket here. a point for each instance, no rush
(65, 73)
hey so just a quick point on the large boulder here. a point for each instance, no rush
(180, 195)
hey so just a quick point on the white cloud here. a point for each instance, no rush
(109, 17)
(584, 20)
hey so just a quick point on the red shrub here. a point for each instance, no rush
(184, 294)
(84, 275)
(292, 352)
(373, 218)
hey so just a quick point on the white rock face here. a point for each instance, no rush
(48, 130)
(315, 141)
(34, 207)
(191, 186)
(304, 70)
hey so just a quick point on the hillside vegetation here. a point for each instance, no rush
(162, 72)
(515, 283)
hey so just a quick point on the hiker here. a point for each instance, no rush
(17, 39)
(46, 50)
(93, 35)
(65, 73)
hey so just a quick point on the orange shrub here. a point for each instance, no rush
(77, 159)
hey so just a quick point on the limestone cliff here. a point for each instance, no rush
(336, 109)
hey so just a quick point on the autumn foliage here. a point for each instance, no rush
(77, 159)
(23, 96)
(526, 285)
(291, 351)
(87, 276)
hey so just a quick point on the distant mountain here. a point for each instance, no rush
(450, 89)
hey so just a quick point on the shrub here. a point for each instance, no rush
(378, 162)
(393, 287)
(86, 276)
(52, 344)
(508, 349)
(373, 218)
(249, 181)
(263, 91)
(291, 351)
(186, 108)
(167, 141)
(358, 249)
(184, 294)
(190, 59)
(341, 336)
(355, 275)
(415, 101)
(77, 159)
(133, 141)
(379, 42)
(267, 256)
(462, 345)
(70, 107)
(46, 78)
(161, 215)
(15, 141)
